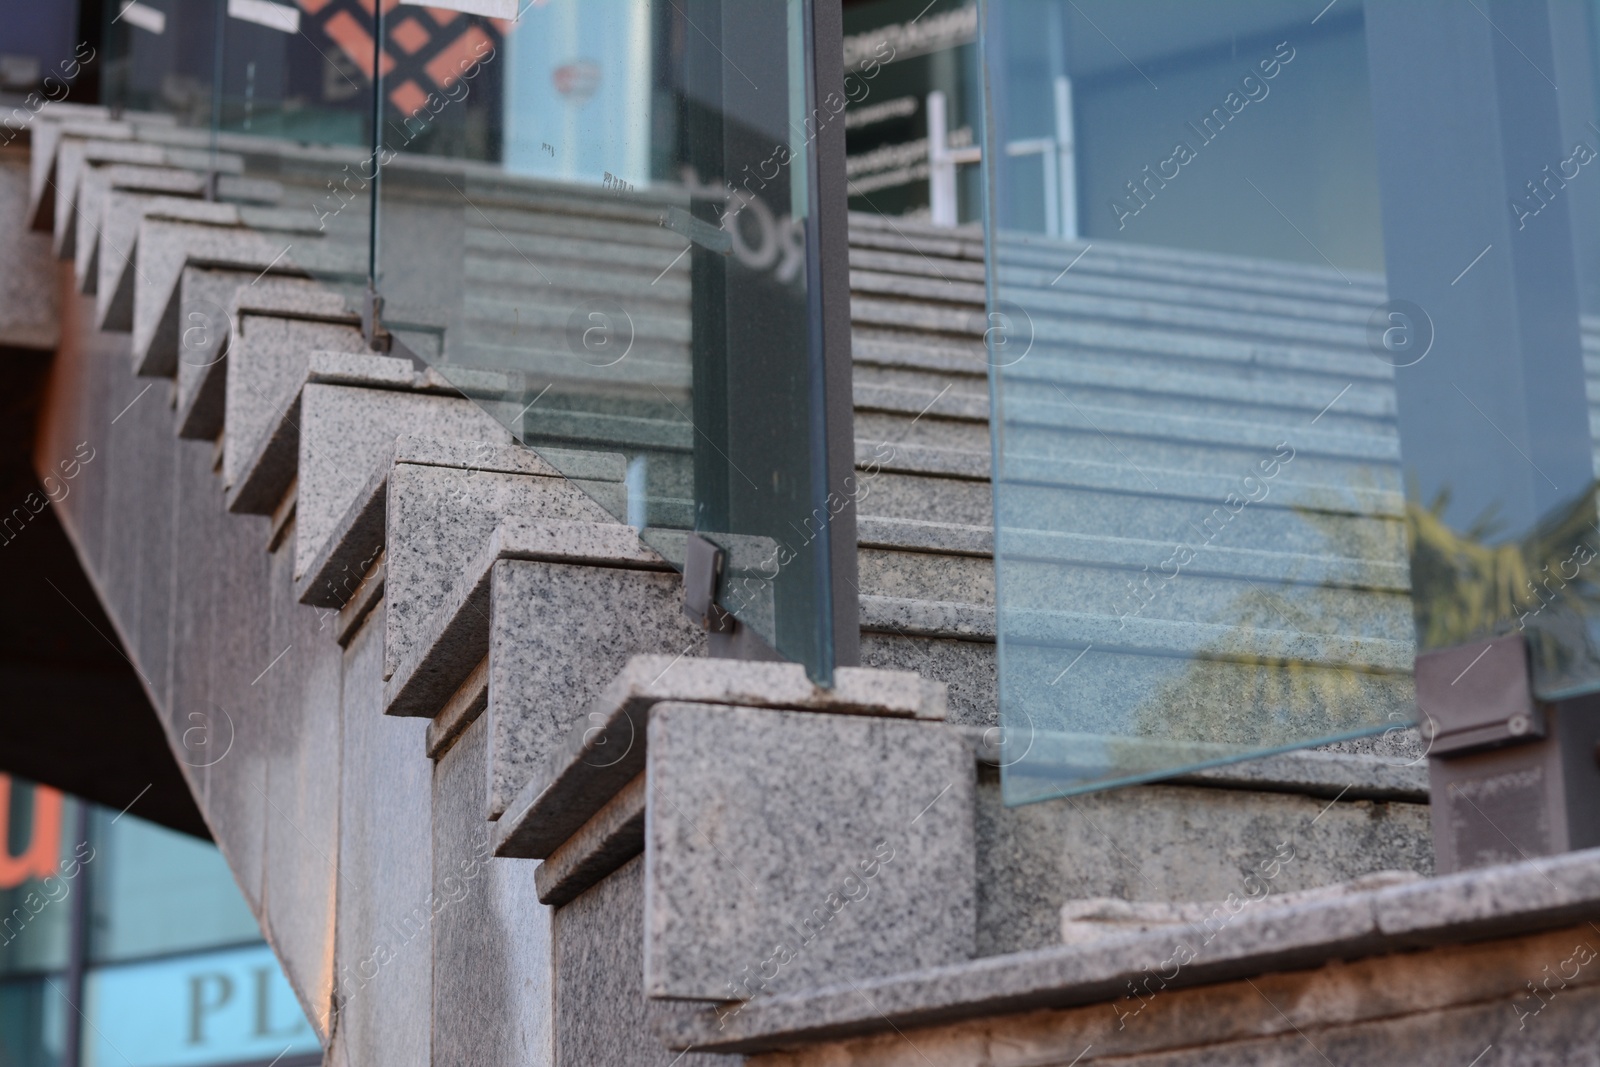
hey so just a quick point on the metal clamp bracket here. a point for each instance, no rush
(702, 574)
(1477, 696)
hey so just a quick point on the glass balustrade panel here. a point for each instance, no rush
(595, 221)
(1201, 522)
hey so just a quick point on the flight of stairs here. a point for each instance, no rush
(295, 535)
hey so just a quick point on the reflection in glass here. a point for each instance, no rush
(596, 223)
(161, 57)
(176, 972)
(1200, 524)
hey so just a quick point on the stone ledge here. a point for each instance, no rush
(361, 606)
(459, 712)
(73, 158)
(341, 565)
(456, 637)
(907, 617)
(99, 183)
(926, 459)
(1350, 775)
(359, 534)
(44, 146)
(348, 431)
(920, 535)
(612, 837)
(273, 462)
(787, 849)
(1519, 898)
(581, 777)
(122, 216)
(164, 247)
(202, 389)
(1312, 772)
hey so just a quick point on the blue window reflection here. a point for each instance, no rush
(203, 1008)
(174, 969)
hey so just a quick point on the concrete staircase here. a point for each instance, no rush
(419, 675)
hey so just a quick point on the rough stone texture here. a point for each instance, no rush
(358, 610)
(441, 515)
(98, 181)
(1254, 937)
(268, 360)
(133, 451)
(73, 159)
(1327, 773)
(559, 632)
(927, 576)
(599, 967)
(493, 1000)
(1170, 843)
(383, 962)
(202, 363)
(614, 835)
(350, 553)
(457, 636)
(460, 711)
(605, 749)
(471, 455)
(301, 875)
(271, 472)
(221, 632)
(1367, 768)
(204, 330)
(1083, 921)
(119, 270)
(165, 247)
(46, 131)
(1448, 1007)
(347, 432)
(849, 857)
(967, 668)
(27, 276)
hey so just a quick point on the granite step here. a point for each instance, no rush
(177, 233)
(334, 421)
(1106, 274)
(1044, 305)
(217, 311)
(267, 365)
(98, 184)
(442, 501)
(46, 140)
(100, 213)
(931, 243)
(545, 612)
(77, 157)
(581, 807)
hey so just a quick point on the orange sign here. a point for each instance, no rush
(43, 852)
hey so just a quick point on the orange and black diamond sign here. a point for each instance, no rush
(425, 51)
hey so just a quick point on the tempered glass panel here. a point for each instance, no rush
(900, 54)
(1492, 313)
(1200, 524)
(160, 57)
(595, 222)
(264, 107)
(292, 126)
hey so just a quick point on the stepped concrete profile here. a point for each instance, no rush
(491, 801)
